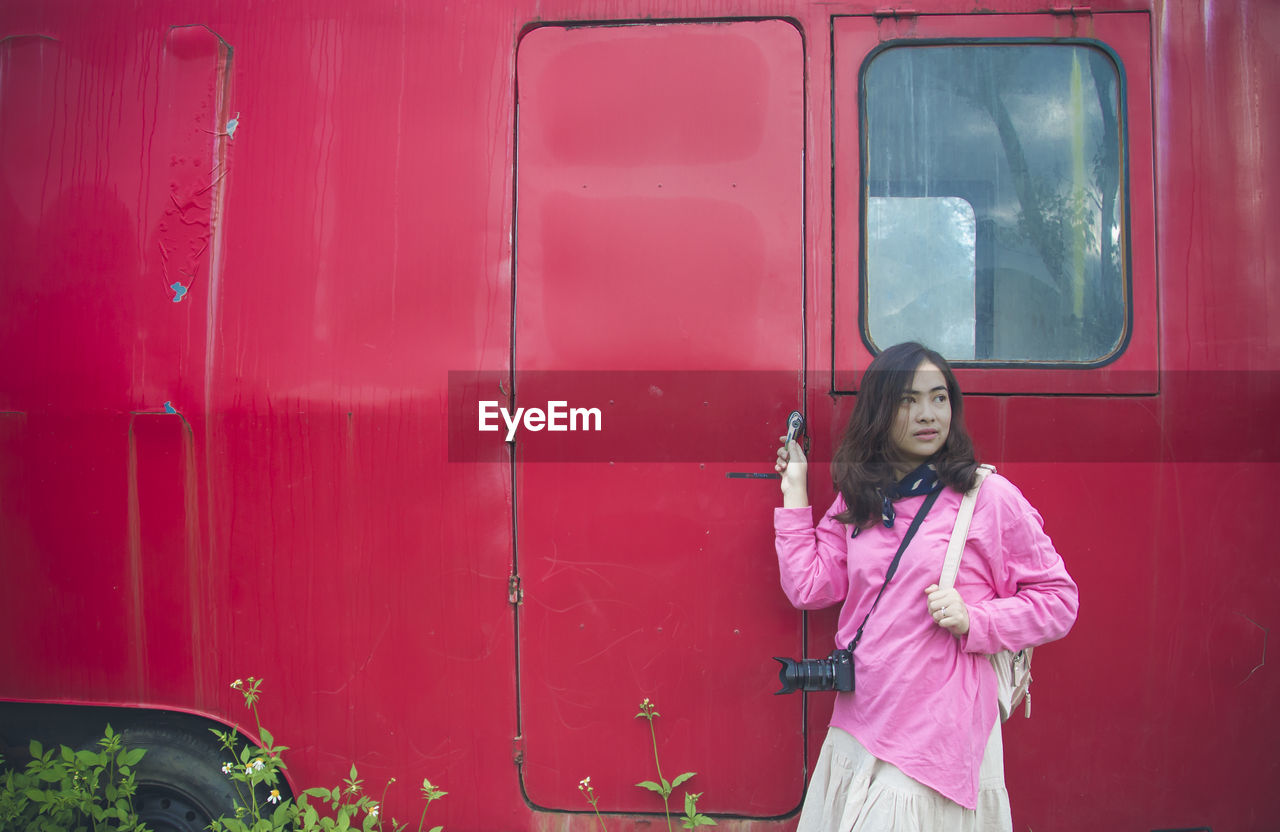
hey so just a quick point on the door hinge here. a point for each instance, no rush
(895, 13)
(515, 592)
(517, 749)
(1068, 7)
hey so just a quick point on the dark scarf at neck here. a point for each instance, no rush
(923, 480)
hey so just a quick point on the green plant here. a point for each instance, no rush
(350, 802)
(692, 818)
(347, 804)
(431, 794)
(253, 771)
(663, 788)
(73, 790)
(649, 713)
(257, 770)
(584, 786)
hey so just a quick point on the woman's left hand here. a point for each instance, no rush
(947, 609)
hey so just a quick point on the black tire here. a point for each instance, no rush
(181, 787)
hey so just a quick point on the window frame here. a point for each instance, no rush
(1132, 368)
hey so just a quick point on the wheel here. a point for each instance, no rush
(181, 787)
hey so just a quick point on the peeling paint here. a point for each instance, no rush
(230, 129)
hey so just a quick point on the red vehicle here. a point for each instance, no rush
(267, 267)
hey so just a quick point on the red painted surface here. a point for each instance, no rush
(657, 223)
(309, 515)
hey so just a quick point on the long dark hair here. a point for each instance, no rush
(863, 465)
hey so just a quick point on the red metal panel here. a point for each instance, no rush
(659, 229)
(92, 234)
(289, 521)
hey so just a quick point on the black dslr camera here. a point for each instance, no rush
(832, 673)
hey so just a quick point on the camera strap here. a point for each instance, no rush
(893, 567)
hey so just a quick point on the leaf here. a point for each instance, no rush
(266, 737)
(133, 756)
(680, 778)
(650, 785)
(436, 828)
(36, 749)
(67, 754)
(344, 820)
(318, 792)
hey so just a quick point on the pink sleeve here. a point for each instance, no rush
(812, 561)
(1036, 601)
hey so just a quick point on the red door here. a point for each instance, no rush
(659, 280)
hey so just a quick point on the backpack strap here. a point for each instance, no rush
(955, 548)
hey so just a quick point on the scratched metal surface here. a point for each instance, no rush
(243, 247)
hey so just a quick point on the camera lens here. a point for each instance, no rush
(833, 673)
(807, 674)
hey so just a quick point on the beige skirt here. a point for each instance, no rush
(852, 791)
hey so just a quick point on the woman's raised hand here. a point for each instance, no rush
(794, 468)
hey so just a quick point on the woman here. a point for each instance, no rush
(917, 744)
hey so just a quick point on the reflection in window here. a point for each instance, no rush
(1026, 138)
(921, 250)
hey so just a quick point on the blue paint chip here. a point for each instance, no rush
(168, 407)
(179, 291)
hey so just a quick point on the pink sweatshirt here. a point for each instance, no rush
(925, 700)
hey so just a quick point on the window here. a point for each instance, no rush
(994, 206)
(994, 197)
